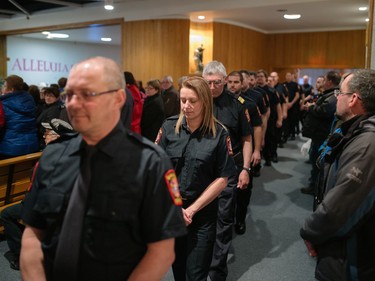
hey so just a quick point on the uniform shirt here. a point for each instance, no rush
(198, 158)
(274, 100)
(258, 98)
(230, 112)
(293, 88)
(254, 113)
(283, 92)
(264, 94)
(130, 202)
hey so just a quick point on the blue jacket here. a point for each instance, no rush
(20, 136)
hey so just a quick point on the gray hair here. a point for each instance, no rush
(214, 67)
(168, 78)
(363, 83)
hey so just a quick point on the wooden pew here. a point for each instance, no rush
(15, 174)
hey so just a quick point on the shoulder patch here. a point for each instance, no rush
(241, 99)
(229, 146)
(158, 137)
(173, 188)
(247, 115)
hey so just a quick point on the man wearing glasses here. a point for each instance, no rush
(103, 206)
(342, 228)
(230, 112)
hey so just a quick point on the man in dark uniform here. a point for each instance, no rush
(231, 113)
(275, 119)
(105, 204)
(293, 107)
(283, 94)
(234, 85)
(251, 91)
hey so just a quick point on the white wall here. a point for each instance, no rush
(45, 61)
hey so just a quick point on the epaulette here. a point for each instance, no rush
(146, 142)
(241, 99)
(65, 137)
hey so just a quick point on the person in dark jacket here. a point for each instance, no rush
(318, 122)
(342, 228)
(20, 135)
(153, 113)
(53, 108)
(170, 96)
(2, 119)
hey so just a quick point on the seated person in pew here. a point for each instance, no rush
(10, 216)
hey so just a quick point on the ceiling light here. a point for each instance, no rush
(292, 16)
(108, 5)
(106, 39)
(362, 8)
(57, 35)
(367, 19)
(201, 17)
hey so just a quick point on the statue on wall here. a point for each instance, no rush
(198, 58)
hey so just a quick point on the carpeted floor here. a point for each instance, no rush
(271, 249)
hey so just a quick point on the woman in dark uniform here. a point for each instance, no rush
(199, 147)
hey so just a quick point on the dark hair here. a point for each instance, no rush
(236, 73)
(244, 71)
(129, 78)
(52, 90)
(14, 82)
(35, 93)
(154, 84)
(334, 77)
(25, 86)
(264, 72)
(54, 86)
(62, 82)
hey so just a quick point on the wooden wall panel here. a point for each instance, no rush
(237, 47)
(3, 57)
(154, 48)
(336, 49)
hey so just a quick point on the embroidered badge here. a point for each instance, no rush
(158, 137)
(259, 111)
(229, 146)
(247, 115)
(172, 184)
(241, 100)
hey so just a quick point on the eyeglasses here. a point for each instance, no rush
(216, 83)
(49, 95)
(149, 88)
(338, 92)
(68, 95)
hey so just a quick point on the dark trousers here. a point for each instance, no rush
(12, 228)
(242, 201)
(292, 121)
(224, 230)
(194, 250)
(270, 141)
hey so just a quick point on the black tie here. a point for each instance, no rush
(69, 245)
